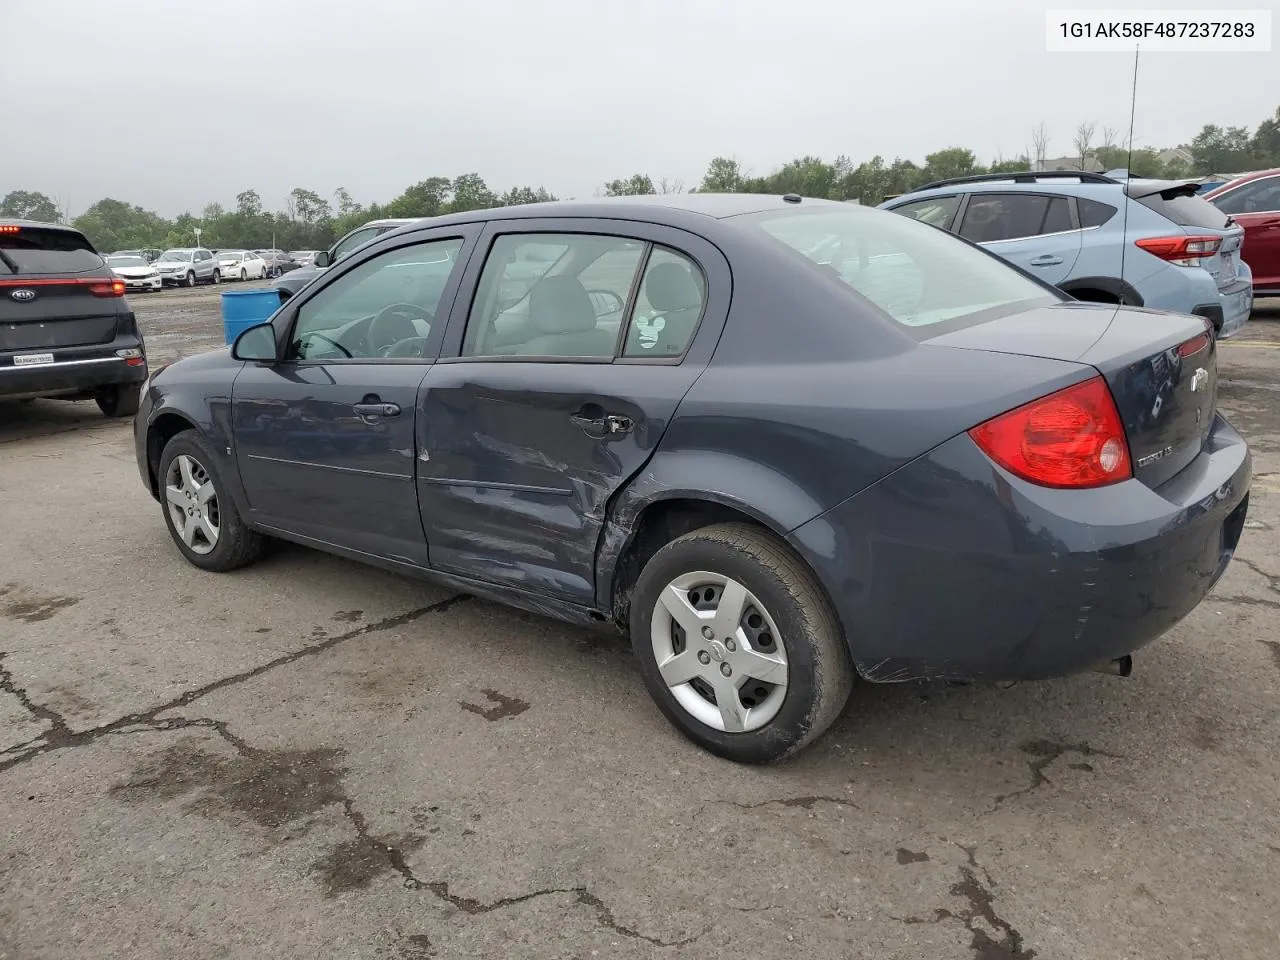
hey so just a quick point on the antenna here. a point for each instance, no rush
(1128, 174)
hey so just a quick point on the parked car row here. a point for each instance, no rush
(781, 443)
(148, 269)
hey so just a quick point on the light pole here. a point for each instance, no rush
(198, 232)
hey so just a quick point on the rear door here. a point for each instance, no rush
(1255, 206)
(52, 295)
(325, 440)
(1038, 232)
(554, 389)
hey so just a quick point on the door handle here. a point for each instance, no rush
(377, 409)
(603, 425)
(1046, 260)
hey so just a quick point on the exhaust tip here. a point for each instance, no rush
(1119, 667)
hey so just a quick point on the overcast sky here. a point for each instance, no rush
(173, 104)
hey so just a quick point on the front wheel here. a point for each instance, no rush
(191, 278)
(199, 512)
(738, 644)
(244, 274)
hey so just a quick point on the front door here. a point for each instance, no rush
(577, 351)
(325, 440)
(1034, 231)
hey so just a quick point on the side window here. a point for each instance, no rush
(355, 240)
(1058, 217)
(668, 306)
(384, 308)
(1257, 197)
(1094, 214)
(935, 211)
(552, 295)
(991, 217)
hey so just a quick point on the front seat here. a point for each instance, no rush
(676, 297)
(560, 311)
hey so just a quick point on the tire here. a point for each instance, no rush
(244, 274)
(234, 544)
(785, 614)
(191, 278)
(215, 278)
(119, 400)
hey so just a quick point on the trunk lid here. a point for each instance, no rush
(47, 302)
(1161, 368)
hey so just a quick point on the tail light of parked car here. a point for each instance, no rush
(1073, 438)
(98, 286)
(1184, 251)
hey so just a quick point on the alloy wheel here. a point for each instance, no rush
(719, 652)
(192, 503)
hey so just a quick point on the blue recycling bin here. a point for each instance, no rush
(242, 309)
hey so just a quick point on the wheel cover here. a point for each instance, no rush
(719, 652)
(192, 504)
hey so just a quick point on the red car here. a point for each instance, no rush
(1254, 201)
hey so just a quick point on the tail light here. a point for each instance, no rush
(9, 228)
(1182, 250)
(1193, 346)
(107, 288)
(1073, 438)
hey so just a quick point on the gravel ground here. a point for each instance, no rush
(310, 758)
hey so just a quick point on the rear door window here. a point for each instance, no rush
(41, 250)
(1260, 196)
(992, 217)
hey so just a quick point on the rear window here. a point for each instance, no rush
(915, 273)
(37, 250)
(1186, 209)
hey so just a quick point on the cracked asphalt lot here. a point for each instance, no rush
(310, 758)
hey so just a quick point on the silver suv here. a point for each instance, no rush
(187, 266)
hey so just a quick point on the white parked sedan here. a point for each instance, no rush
(241, 265)
(136, 273)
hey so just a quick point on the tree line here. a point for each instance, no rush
(310, 221)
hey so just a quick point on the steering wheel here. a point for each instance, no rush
(409, 347)
(394, 324)
(320, 336)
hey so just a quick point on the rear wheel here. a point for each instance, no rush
(119, 400)
(1095, 296)
(738, 644)
(200, 514)
(216, 278)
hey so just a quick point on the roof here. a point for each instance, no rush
(17, 222)
(1243, 178)
(672, 209)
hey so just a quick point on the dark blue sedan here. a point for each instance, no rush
(782, 443)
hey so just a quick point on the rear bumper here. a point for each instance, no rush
(952, 568)
(1231, 311)
(68, 377)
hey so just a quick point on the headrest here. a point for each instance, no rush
(561, 305)
(670, 287)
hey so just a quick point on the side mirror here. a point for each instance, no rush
(257, 343)
(322, 259)
(284, 292)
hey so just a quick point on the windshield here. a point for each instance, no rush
(126, 262)
(176, 255)
(231, 255)
(915, 273)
